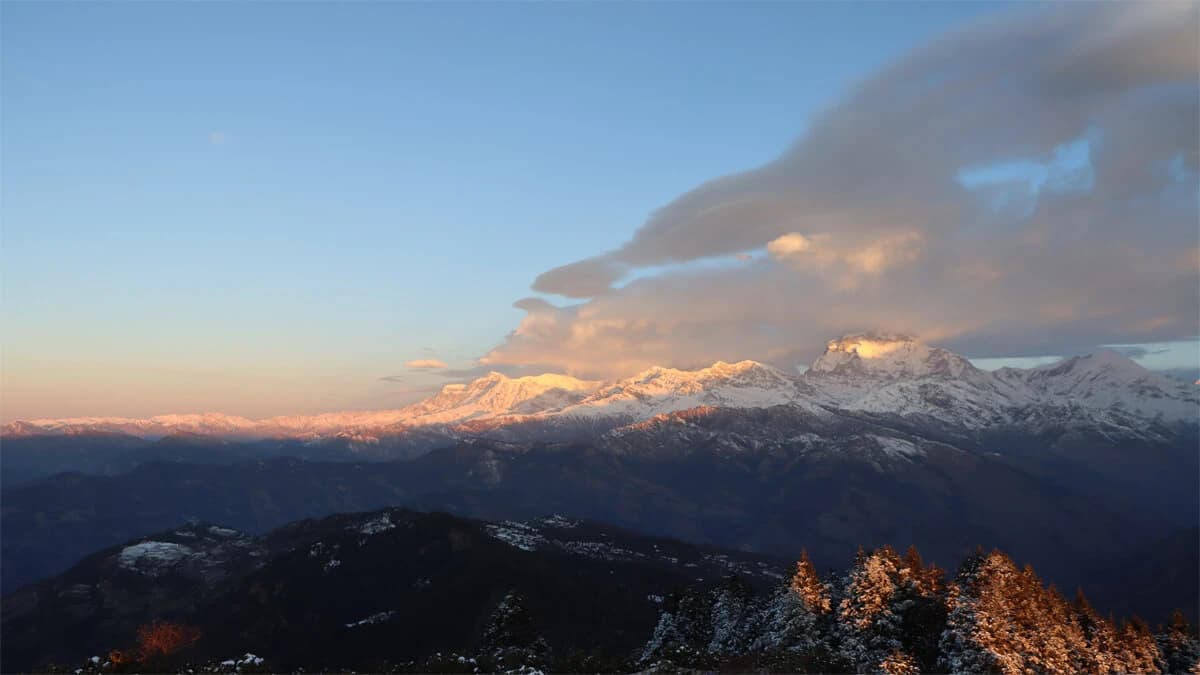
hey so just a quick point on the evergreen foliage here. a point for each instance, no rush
(895, 614)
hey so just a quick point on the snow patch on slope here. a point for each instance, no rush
(152, 557)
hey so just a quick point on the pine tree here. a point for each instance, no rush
(793, 616)
(961, 649)
(1003, 619)
(1100, 636)
(736, 618)
(894, 614)
(810, 588)
(870, 614)
(1139, 652)
(510, 638)
(683, 632)
(1180, 650)
(922, 595)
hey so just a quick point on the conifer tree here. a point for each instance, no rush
(510, 636)
(683, 632)
(1180, 650)
(735, 618)
(797, 622)
(1140, 654)
(870, 614)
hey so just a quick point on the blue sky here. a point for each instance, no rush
(265, 208)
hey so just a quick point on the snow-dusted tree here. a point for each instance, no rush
(511, 637)
(879, 593)
(1003, 619)
(735, 618)
(1179, 646)
(1139, 652)
(683, 633)
(899, 663)
(811, 589)
(962, 650)
(797, 623)
(923, 591)
(1109, 648)
(1103, 640)
(792, 614)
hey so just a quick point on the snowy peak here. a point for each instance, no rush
(888, 356)
(497, 394)
(745, 384)
(1102, 364)
(742, 373)
(1106, 379)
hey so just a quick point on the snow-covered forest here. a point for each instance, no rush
(893, 613)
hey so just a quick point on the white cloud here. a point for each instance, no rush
(788, 245)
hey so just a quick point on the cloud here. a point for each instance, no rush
(582, 279)
(788, 245)
(216, 137)
(425, 364)
(392, 378)
(1136, 351)
(867, 222)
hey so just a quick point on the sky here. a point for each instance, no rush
(283, 208)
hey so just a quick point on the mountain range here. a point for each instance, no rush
(1083, 467)
(873, 374)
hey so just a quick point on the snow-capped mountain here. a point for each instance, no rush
(496, 395)
(1107, 380)
(888, 356)
(872, 374)
(209, 424)
(898, 375)
(746, 384)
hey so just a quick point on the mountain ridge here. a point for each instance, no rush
(866, 372)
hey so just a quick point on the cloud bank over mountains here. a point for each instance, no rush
(1026, 186)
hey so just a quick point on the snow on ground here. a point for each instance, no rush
(520, 535)
(152, 557)
(599, 550)
(898, 447)
(378, 617)
(557, 520)
(376, 525)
